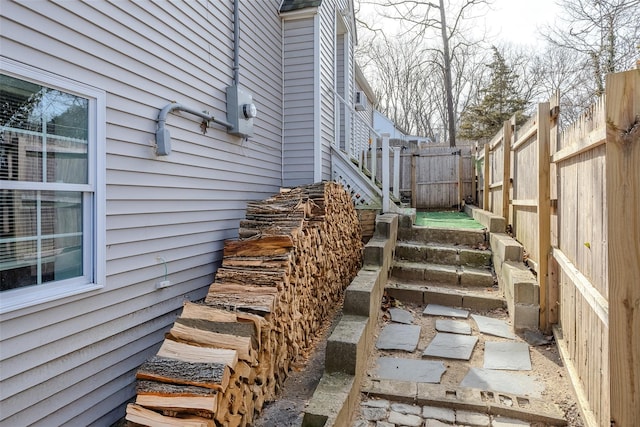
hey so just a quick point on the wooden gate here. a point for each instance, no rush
(441, 177)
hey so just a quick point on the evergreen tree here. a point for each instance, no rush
(483, 119)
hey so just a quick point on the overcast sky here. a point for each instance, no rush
(521, 20)
(517, 21)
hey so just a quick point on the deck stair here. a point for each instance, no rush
(449, 266)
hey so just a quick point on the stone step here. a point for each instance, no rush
(443, 254)
(474, 299)
(442, 274)
(517, 406)
(450, 236)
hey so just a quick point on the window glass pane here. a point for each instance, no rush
(20, 157)
(63, 260)
(66, 161)
(41, 237)
(44, 133)
(21, 104)
(17, 268)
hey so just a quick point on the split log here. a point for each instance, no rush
(209, 375)
(200, 311)
(196, 354)
(253, 299)
(272, 262)
(191, 310)
(146, 417)
(236, 329)
(254, 275)
(242, 345)
(177, 398)
(267, 246)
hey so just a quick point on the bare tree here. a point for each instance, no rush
(564, 70)
(604, 32)
(436, 31)
(402, 85)
(524, 62)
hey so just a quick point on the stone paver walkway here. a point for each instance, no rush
(463, 337)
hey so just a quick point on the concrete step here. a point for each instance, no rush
(470, 298)
(435, 253)
(450, 236)
(442, 274)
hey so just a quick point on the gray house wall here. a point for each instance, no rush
(365, 116)
(72, 360)
(308, 140)
(340, 88)
(328, 28)
(300, 57)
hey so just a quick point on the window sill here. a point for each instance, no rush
(31, 296)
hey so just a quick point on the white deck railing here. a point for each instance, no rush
(359, 140)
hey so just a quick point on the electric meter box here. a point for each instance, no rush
(240, 111)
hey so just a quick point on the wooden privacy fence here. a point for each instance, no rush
(440, 177)
(573, 201)
(516, 185)
(436, 177)
(491, 173)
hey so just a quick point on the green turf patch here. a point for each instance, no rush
(450, 219)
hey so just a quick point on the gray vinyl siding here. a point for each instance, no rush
(350, 80)
(327, 85)
(310, 111)
(366, 116)
(350, 71)
(340, 88)
(299, 98)
(332, 75)
(72, 361)
(363, 132)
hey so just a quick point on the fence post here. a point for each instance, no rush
(554, 290)
(622, 106)
(374, 160)
(385, 173)
(507, 132)
(414, 189)
(544, 210)
(396, 172)
(474, 175)
(486, 180)
(349, 137)
(460, 182)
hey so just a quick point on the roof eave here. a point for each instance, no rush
(299, 13)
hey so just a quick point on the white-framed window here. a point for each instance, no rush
(52, 169)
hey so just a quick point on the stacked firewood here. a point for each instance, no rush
(367, 218)
(222, 360)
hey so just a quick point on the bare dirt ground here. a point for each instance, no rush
(288, 409)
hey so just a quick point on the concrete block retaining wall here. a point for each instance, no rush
(336, 396)
(522, 292)
(494, 223)
(516, 281)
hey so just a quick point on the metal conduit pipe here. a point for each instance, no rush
(236, 42)
(163, 137)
